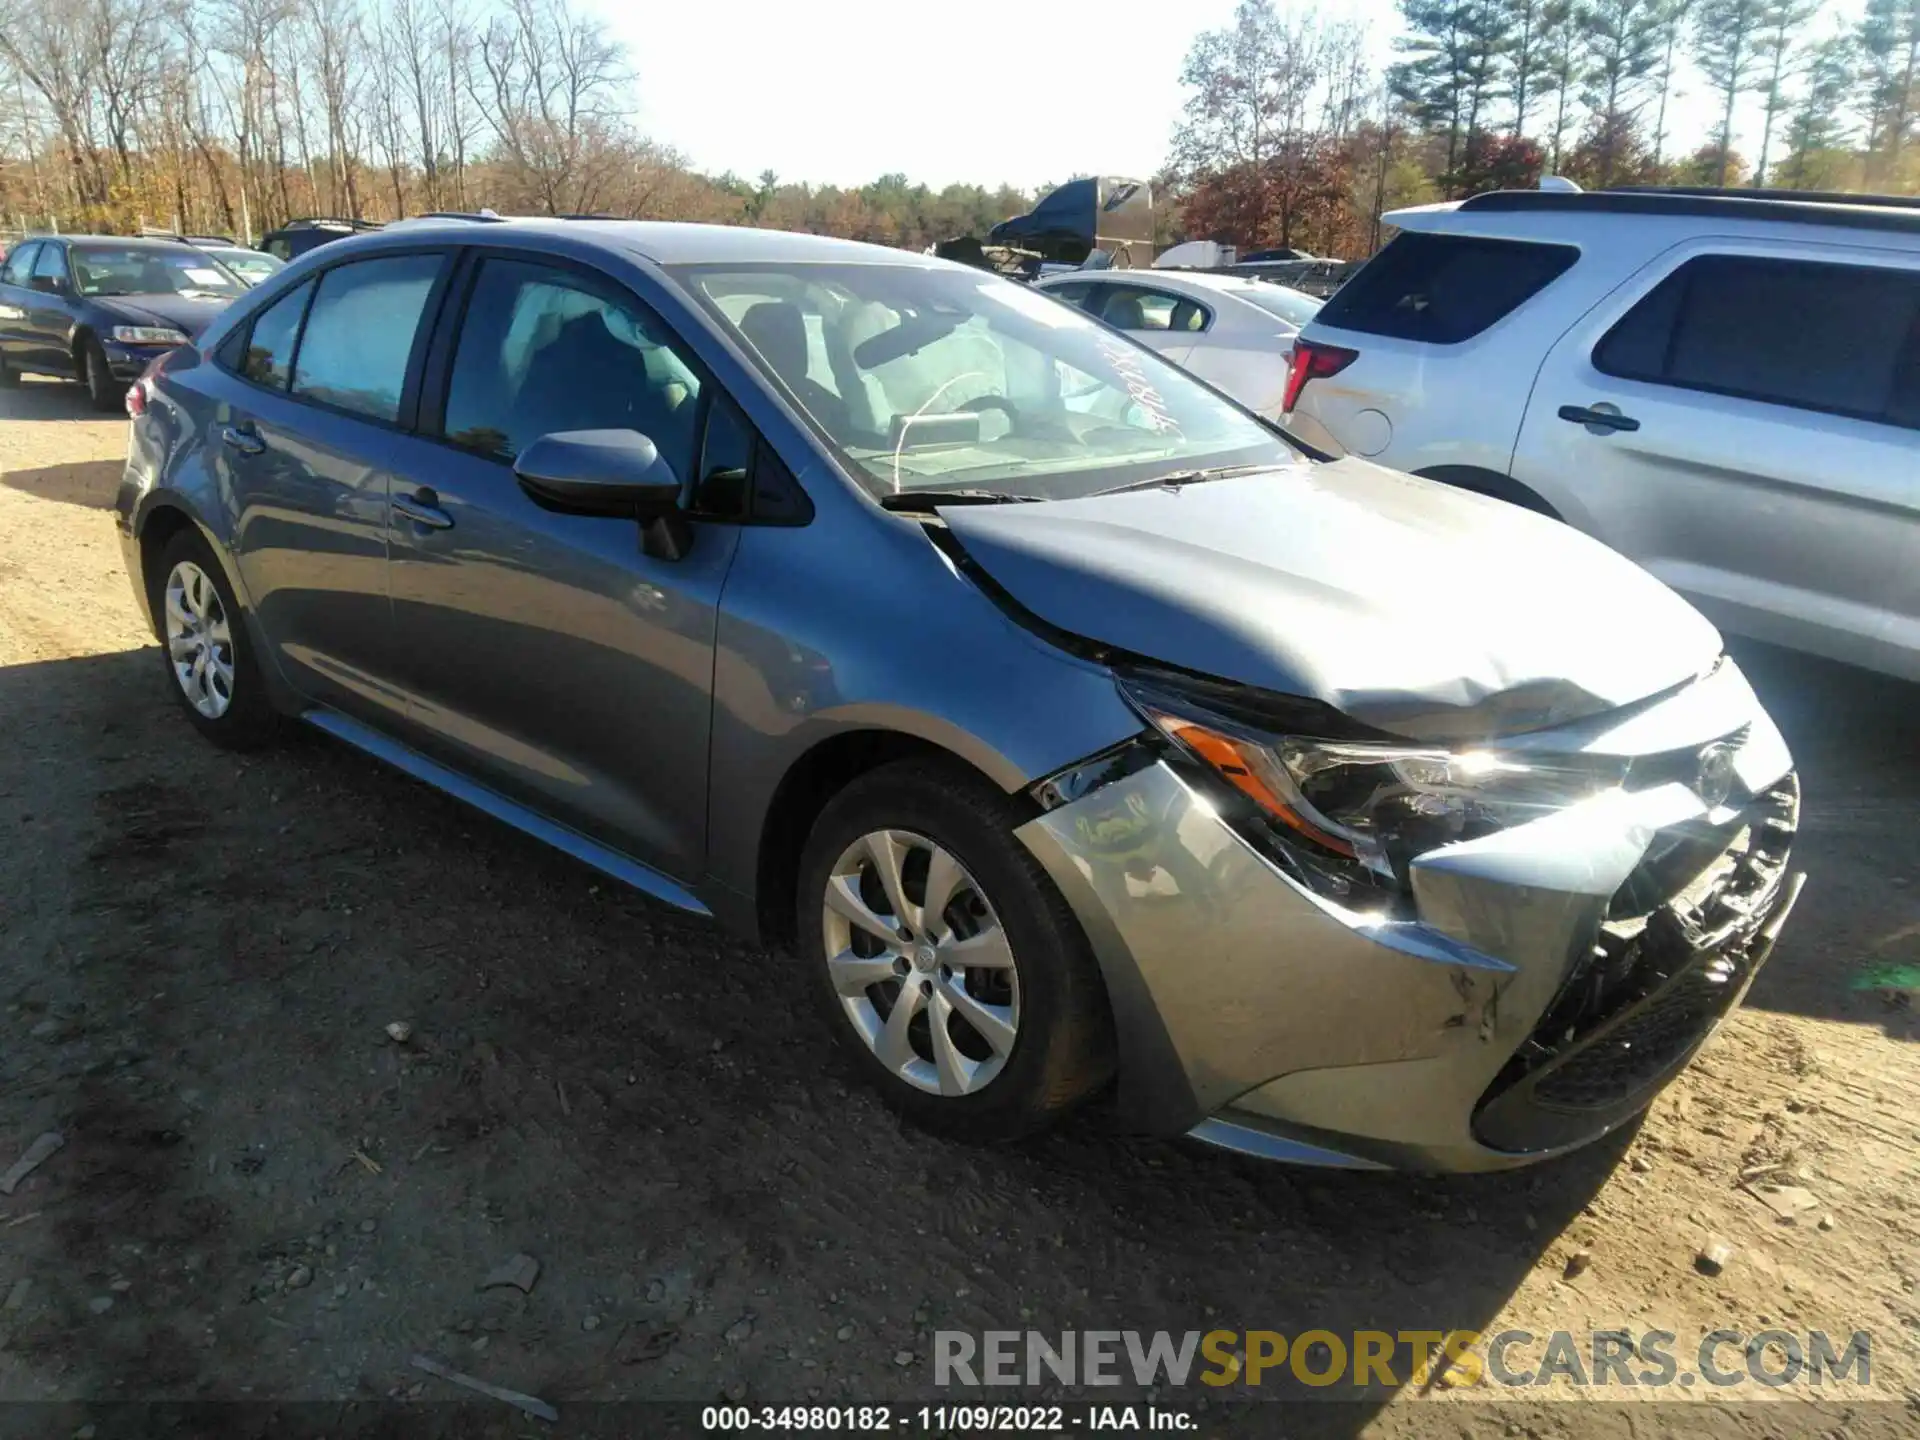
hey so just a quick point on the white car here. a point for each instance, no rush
(1235, 334)
(1725, 387)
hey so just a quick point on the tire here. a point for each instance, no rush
(987, 1082)
(222, 693)
(106, 393)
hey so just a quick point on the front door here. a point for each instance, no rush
(547, 654)
(1744, 425)
(50, 313)
(308, 435)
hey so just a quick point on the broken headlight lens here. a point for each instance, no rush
(1374, 807)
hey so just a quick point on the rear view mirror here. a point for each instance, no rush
(609, 472)
(599, 472)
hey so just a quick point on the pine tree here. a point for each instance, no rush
(1621, 47)
(1726, 36)
(1524, 25)
(1673, 21)
(1561, 72)
(1816, 128)
(1889, 42)
(1780, 55)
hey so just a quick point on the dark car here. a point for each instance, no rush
(297, 237)
(99, 309)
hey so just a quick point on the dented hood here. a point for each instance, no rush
(1407, 605)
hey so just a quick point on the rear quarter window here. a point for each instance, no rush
(1444, 289)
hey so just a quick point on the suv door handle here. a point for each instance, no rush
(1601, 419)
(423, 509)
(242, 437)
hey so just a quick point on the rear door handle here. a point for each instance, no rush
(1601, 419)
(423, 509)
(242, 437)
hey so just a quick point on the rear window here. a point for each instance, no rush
(1444, 288)
(1844, 339)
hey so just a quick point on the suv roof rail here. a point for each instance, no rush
(1790, 197)
(483, 217)
(1788, 207)
(314, 222)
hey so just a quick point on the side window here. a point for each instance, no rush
(1844, 339)
(360, 333)
(1129, 307)
(1444, 288)
(50, 263)
(268, 356)
(1074, 294)
(20, 264)
(726, 462)
(542, 350)
(277, 246)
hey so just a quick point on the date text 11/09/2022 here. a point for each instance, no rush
(945, 1419)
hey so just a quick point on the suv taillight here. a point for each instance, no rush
(1313, 361)
(141, 390)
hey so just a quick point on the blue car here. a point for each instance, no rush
(1055, 721)
(99, 309)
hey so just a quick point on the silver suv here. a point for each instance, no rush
(1722, 386)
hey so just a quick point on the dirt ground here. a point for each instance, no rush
(262, 1196)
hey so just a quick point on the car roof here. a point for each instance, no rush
(134, 242)
(665, 242)
(1557, 213)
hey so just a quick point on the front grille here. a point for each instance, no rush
(1659, 977)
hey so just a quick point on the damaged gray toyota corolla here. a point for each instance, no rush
(1071, 730)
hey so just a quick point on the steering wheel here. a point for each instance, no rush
(1005, 406)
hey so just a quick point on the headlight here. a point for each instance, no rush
(148, 335)
(1361, 811)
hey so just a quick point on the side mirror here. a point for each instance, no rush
(608, 472)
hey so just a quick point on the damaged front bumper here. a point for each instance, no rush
(1551, 978)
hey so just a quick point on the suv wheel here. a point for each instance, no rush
(205, 646)
(105, 392)
(945, 959)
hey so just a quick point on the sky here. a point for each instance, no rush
(843, 91)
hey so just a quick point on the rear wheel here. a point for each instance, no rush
(206, 648)
(945, 960)
(105, 392)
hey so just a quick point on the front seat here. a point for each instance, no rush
(586, 378)
(778, 331)
(1125, 312)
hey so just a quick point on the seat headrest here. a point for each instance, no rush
(779, 332)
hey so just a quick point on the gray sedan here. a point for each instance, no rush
(1075, 732)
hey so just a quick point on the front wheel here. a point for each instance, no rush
(103, 390)
(944, 958)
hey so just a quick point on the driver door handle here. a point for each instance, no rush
(1599, 419)
(243, 438)
(423, 509)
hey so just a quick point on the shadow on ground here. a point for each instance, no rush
(38, 399)
(1852, 947)
(90, 483)
(208, 947)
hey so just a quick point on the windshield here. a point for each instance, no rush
(252, 266)
(929, 377)
(1290, 305)
(150, 270)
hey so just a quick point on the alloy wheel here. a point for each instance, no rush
(920, 962)
(199, 642)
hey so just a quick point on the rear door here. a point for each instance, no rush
(550, 655)
(1744, 421)
(311, 429)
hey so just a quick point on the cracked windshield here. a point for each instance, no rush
(925, 378)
